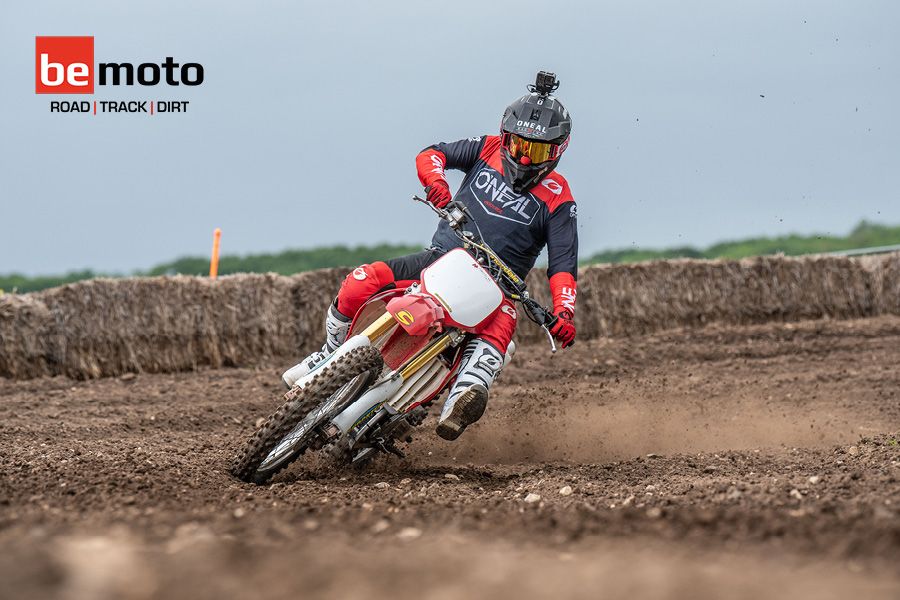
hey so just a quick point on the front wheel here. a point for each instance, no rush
(290, 430)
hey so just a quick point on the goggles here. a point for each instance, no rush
(537, 152)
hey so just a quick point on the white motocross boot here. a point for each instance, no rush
(336, 328)
(479, 367)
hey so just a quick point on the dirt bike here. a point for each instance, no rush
(402, 351)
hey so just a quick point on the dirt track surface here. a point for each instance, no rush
(725, 462)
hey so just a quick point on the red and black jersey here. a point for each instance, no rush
(516, 226)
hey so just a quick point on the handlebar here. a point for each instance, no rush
(456, 216)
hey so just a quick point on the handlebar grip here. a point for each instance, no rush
(541, 315)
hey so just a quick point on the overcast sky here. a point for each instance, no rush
(694, 121)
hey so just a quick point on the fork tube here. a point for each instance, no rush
(379, 327)
(425, 357)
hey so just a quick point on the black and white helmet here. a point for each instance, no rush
(535, 132)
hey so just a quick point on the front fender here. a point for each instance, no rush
(417, 314)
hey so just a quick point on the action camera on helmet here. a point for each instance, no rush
(545, 83)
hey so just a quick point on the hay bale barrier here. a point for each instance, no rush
(106, 327)
(29, 346)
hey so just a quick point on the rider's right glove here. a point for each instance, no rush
(564, 328)
(438, 193)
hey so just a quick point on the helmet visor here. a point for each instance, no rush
(537, 152)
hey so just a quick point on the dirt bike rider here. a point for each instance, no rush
(521, 204)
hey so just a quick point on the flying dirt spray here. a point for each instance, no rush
(214, 259)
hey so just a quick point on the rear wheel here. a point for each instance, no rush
(291, 429)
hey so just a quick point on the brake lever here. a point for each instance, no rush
(550, 337)
(533, 308)
(440, 211)
(455, 214)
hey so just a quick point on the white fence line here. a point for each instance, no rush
(864, 251)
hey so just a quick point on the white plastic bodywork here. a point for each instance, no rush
(463, 287)
(372, 399)
(469, 295)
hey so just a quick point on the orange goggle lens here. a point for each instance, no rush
(537, 152)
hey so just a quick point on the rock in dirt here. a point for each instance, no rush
(310, 524)
(381, 485)
(795, 493)
(409, 533)
(381, 526)
(239, 513)
(451, 476)
(815, 479)
(853, 450)
(531, 498)
(565, 490)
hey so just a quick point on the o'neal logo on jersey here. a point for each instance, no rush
(499, 199)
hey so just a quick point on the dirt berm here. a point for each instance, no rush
(108, 327)
(749, 462)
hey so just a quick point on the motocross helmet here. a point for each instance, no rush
(534, 132)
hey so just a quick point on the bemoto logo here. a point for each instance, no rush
(65, 65)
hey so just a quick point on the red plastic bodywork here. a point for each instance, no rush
(400, 346)
(417, 313)
(419, 316)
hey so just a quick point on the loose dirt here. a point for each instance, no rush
(740, 462)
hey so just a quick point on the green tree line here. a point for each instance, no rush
(864, 235)
(284, 263)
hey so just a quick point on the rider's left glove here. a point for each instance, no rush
(438, 193)
(564, 328)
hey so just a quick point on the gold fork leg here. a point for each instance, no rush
(379, 327)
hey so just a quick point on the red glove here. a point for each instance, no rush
(438, 193)
(562, 286)
(564, 328)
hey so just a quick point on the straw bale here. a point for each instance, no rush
(28, 346)
(108, 327)
(646, 297)
(889, 280)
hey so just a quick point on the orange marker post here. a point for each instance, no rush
(214, 260)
